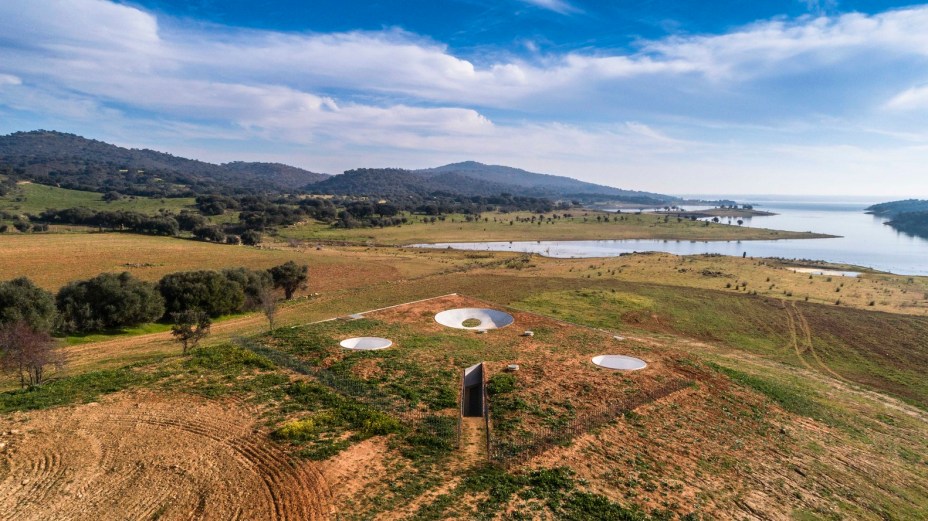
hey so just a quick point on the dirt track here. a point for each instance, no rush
(147, 456)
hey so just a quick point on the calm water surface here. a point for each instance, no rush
(865, 239)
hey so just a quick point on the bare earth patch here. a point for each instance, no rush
(146, 456)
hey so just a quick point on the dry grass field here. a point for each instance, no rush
(55, 259)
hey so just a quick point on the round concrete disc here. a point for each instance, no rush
(366, 343)
(619, 362)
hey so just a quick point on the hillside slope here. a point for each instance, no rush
(474, 179)
(542, 185)
(74, 162)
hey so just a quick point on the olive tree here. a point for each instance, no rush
(190, 327)
(108, 301)
(290, 277)
(208, 291)
(23, 301)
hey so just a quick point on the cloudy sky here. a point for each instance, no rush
(785, 97)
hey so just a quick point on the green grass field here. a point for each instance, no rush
(497, 227)
(34, 198)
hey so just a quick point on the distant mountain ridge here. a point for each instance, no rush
(474, 179)
(72, 161)
(536, 184)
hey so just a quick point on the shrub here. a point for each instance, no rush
(21, 300)
(290, 277)
(22, 226)
(253, 284)
(208, 291)
(297, 430)
(108, 301)
(190, 327)
(251, 238)
(209, 233)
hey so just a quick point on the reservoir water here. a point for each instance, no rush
(865, 240)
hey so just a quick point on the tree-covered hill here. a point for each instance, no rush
(540, 185)
(908, 216)
(71, 161)
(899, 207)
(474, 180)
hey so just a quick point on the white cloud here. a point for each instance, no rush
(558, 6)
(9, 79)
(402, 98)
(910, 99)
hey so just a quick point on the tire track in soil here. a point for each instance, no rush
(153, 456)
(794, 335)
(807, 335)
(277, 483)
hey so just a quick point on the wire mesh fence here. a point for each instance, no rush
(442, 428)
(513, 450)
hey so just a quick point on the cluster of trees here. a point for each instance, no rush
(259, 214)
(119, 220)
(442, 204)
(29, 314)
(21, 223)
(165, 223)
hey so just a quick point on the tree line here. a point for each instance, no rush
(110, 301)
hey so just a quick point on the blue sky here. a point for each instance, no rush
(788, 97)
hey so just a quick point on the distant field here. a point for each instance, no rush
(583, 226)
(52, 260)
(873, 291)
(34, 198)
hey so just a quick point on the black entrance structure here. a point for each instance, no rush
(473, 392)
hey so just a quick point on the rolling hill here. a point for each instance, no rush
(474, 179)
(538, 185)
(71, 161)
(74, 162)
